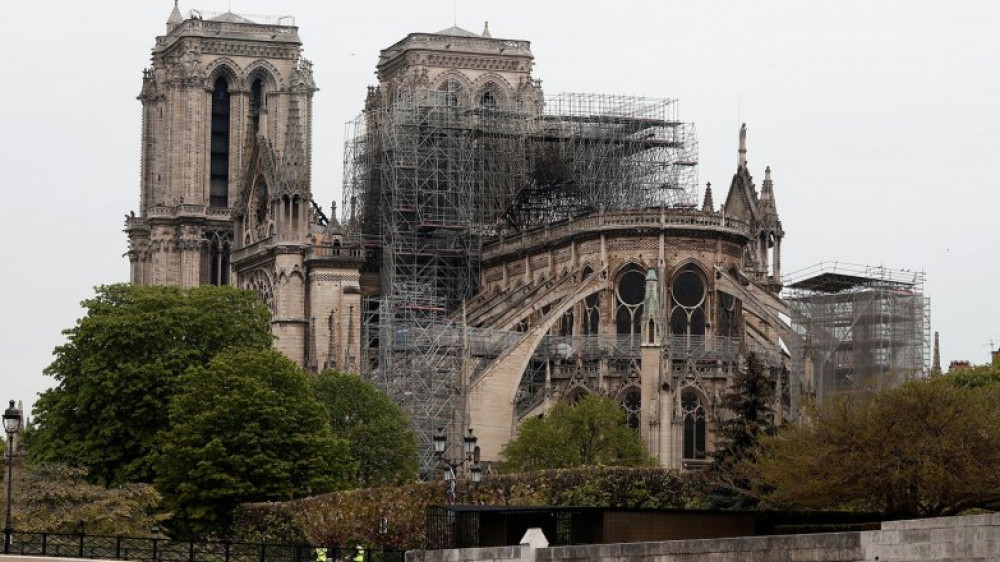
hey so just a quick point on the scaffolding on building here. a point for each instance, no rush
(429, 180)
(857, 326)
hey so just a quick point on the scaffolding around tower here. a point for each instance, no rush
(431, 178)
(857, 326)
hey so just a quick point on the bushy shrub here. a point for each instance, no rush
(352, 517)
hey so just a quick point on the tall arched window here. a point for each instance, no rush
(729, 316)
(566, 323)
(591, 308)
(219, 162)
(491, 96)
(256, 102)
(219, 245)
(688, 302)
(630, 293)
(694, 425)
(632, 404)
(453, 93)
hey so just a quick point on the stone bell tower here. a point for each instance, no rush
(216, 83)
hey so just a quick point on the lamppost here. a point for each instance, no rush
(12, 425)
(449, 466)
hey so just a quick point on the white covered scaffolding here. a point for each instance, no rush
(857, 326)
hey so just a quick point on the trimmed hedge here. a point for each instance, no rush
(352, 517)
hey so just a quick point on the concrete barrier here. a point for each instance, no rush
(973, 538)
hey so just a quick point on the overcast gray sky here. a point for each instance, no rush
(880, 120)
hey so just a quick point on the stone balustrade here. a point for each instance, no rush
(659, 219)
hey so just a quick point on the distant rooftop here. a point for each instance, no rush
(457, 32)
(246, 19)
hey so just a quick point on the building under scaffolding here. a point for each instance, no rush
(430, 178)
(857, 326)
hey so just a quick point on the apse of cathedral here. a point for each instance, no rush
(499, 250)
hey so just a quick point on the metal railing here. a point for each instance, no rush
(140, 549)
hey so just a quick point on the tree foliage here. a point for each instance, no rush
(928, 447)
(749, 405)
(979, 376)
(592, 432)
(245, 428)
(56, 498)
(382, 446)
(749, 401)
(120, 367)
(348, 517)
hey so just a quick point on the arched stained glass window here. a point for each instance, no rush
(688, 301)
(632, 404)
(695, 428)
(630, 291)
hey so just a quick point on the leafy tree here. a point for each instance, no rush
(382, 445)
(245, 428)
(976, 377)
(55, 498)
(929, 447)
(591, 432)
(119, 369)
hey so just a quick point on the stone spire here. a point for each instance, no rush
(295, 160)
(486, 30)
(708, 206)
(741, 161)
(767, 204)
(936, 362)
(175, 18)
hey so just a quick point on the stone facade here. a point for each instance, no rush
(654, 308)
(225, 195)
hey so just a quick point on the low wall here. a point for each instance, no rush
(971, 538)
(21, 558)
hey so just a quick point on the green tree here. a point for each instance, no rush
(749, 403)
(976, 377)
(928, 447)
(382, 444)
(749, 406)
(120, 366)
(591, 432)
(245, 428)
(55, 498)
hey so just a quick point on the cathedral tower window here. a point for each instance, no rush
(688, 299)
(219, 164)
(219, 246)
(256, 102)
(695, 430)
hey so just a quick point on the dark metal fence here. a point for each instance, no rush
(138, 549)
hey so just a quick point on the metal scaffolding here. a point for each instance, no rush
(429, 179)
(857, 326)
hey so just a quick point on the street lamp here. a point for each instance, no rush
(448, 466)
(12, 425)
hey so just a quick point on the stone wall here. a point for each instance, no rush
(972, 538)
